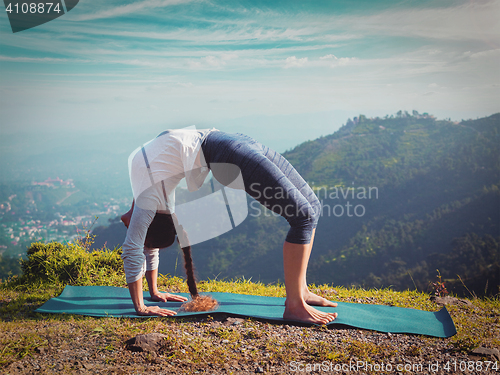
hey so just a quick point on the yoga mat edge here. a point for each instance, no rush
(105, 301)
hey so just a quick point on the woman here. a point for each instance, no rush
(157, 167)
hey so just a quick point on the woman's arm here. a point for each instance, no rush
(135, 289)
(134, 261)
(156, 295)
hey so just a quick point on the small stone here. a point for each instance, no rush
(494, 353)
(233, 321)
(331, 291)
(149, 342)
(40, 350)
(450, 301)
(259, 370)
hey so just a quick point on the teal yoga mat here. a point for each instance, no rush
(107, 301)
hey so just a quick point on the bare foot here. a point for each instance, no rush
(304, 313)
(315, 300)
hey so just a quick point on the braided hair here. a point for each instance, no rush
(161, 233)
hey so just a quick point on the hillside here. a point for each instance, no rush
(47, 210)
(403, 196)
(437, 207)
(67, 344)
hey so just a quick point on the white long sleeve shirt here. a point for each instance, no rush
(155, 170)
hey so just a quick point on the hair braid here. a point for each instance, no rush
(188, 260)
(198, 303)
(188, 265)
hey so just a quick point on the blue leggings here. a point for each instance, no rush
(270, 179)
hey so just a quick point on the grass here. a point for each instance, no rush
(25, 333)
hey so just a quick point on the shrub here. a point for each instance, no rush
(70, 264)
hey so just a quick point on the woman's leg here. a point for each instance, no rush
(295, 260)
(308, 194)
(296, 255)
(309, 297)
(271, 179)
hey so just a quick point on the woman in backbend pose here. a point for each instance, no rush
(155, 170)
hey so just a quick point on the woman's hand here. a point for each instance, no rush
(164, 297)
(154, 311)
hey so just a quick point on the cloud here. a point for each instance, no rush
(228, 56)
(334, 61)
(217, 62)
(410, 46)
(328, 57)
(492, 53)
(194, 64)
(343, 61)
(469, 21)
(38, 59)
(214, 61)
(293, 62)
(137, 62)
(130, 9)
(185, 84)
(211, 61)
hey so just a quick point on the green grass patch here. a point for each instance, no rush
(49, 267)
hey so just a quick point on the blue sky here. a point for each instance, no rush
(282, 71)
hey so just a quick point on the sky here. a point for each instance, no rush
(281, 71)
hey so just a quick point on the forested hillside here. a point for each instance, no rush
(403, 197)
(438, 205)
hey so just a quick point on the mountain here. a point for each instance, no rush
(438, 204)
(405, 198)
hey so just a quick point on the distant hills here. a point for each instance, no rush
(403, 196)
(438, 205)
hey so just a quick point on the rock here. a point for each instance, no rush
(493, 353)
(450, 301)
(259, 370)
(149, 342)
(41, 350)
(233, 321)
